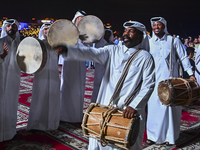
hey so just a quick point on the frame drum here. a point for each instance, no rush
(62, 32)
(91, 29)
(31, 55)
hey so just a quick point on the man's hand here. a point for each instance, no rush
(5, 51)
(59, 50)
(129, 112)
(193, 78)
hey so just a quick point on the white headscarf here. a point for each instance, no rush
(40, 36)
(139, 26)
(79, 13)
(111, 36)
(159, 19)
(11, 22)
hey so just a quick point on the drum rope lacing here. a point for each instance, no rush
(104, 122)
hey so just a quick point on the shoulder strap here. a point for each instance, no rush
(170, 58)
(124, 74)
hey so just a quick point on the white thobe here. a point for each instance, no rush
(72, 90)
(114, 60)
(197, 64)
(163, 122)
(45, 104)
(9, 89)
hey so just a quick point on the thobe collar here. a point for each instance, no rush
(164, 38)
(131, 50)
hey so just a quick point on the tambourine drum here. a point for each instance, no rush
(178, 92)
(62, 32)
(31, 55)
(106, 124)
(90, 27)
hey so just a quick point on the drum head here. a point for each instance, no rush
(62, 32)
(91, 28)
(31, 55)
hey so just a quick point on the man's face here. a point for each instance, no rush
(131, 37)
(158, 28)
(45, 31)
(11, 29)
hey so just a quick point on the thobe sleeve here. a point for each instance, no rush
(183, 57)
(148, 83)
(83, 53)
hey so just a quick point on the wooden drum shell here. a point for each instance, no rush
(178, 92)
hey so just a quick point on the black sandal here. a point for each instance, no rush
(149, 142)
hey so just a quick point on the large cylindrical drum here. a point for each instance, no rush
(178, 92)
(62, 32)
(31, 55)
(91, 29)
(106, 124)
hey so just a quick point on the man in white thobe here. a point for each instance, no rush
(197, 65)
(9, 79)
(163, 122)
(45, 104)
(114, 58)
(73, 84)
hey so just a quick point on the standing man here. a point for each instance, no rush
(163, 122)
(73, 84)
(9, 79)
(114, 58)
(45, 105)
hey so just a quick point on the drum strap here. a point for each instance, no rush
(124, 74)
(180, 68)
(170, 59)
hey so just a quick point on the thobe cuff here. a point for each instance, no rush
(189, 71)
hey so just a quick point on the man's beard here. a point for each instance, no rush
(11, 32)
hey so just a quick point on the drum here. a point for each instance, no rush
(106, 124)
(31, 55)
(91, 29)
(178, 92)
(62, 32)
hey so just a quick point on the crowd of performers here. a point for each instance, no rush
(53, 102)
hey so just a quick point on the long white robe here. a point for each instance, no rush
(72, 90)
(114, 60)
(9, 89)
(45, 104)
(197, 64)
(163, 122)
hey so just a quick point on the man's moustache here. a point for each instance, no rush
(126, 37)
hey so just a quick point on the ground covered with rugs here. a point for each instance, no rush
(69, 136)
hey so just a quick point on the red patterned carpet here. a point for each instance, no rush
(69, 136)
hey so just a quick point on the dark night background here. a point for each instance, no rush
(182, 15)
